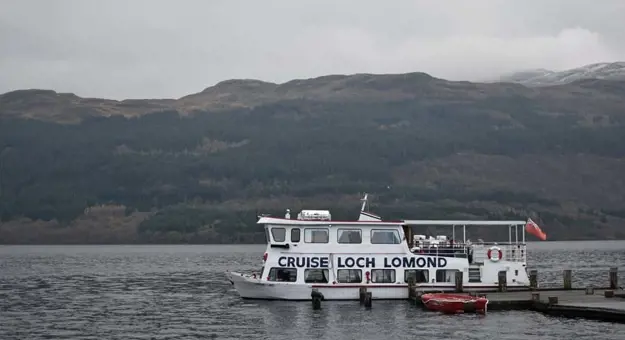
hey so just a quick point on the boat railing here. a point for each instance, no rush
(447, 250)
(475, 252)
(513, 252)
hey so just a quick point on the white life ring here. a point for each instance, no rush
(490, 254)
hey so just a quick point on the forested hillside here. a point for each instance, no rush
(199, 169)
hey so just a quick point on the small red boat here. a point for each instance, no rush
(454, 303)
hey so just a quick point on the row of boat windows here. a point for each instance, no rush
(344, 235)
(355, 275)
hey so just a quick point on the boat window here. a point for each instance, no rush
(349, 236)
(282, 274)
(295, 235)
(420, 275)
(316, 235)
(381, 236)
(267, 238)
(446, 275)
(279, 234)
(316, 275)
(349, 275)
(383, 275)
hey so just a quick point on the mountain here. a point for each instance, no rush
(68, 108)
(542, 77)
(198, 169)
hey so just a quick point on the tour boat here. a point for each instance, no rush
(454, 303)
(336, 258)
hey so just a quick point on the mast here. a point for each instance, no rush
(364, 202)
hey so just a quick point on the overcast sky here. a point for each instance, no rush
(148, 49)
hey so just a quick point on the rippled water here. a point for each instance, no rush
(180, 292)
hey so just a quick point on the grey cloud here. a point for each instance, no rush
(145, 49)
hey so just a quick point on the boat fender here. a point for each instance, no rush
(367, 276)
(490, 254)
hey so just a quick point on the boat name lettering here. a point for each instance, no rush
(415, 262)
(304, 261)
(392, 262)
(358, 262)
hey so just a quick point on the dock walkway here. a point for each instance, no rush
(595, 304)
(605, 304)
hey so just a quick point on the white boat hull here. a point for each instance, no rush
(250, 287)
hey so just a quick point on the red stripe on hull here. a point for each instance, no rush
(404, 286)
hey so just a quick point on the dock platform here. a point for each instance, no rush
(604, 304)
(594, 303)
(576, 303)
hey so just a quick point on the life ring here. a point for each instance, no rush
(490, 253)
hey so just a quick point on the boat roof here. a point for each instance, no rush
(286, 221)
(463, 222)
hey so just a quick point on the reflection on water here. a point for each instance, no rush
(180, 292)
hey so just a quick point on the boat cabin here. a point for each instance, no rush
(313, 248)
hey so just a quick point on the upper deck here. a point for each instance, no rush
(327, 223)
(314, 231)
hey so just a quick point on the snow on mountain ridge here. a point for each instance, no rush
(542, 77)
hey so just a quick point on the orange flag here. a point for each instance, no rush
(532, 228)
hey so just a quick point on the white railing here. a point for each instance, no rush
(513, 252)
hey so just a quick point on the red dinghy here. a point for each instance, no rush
(454, 303)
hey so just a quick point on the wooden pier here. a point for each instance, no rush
(604, 304)
(595, 303)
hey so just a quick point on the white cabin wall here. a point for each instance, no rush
(333, 249)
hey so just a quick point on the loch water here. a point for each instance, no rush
(181, 292)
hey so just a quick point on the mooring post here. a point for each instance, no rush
(608, 293)
(417, 300)
(614, 278)
(368, 298)
(503, 285)
(535, 296)
(362, 292)
(533, 279)
(316, 298)
(459, 278)
(567, 273)
(412, 282)
(590, 291)
(553, 300)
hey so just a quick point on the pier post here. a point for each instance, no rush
(417, 300)
(567, 273)
(608, 293)
(459, 278)
(363, 293)
(533, 279)
(412, 282)
(535, 296)
(368, 298)
(316, 298)
(614, 278)
(553, 300)
(503, 285)
(590, 290)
